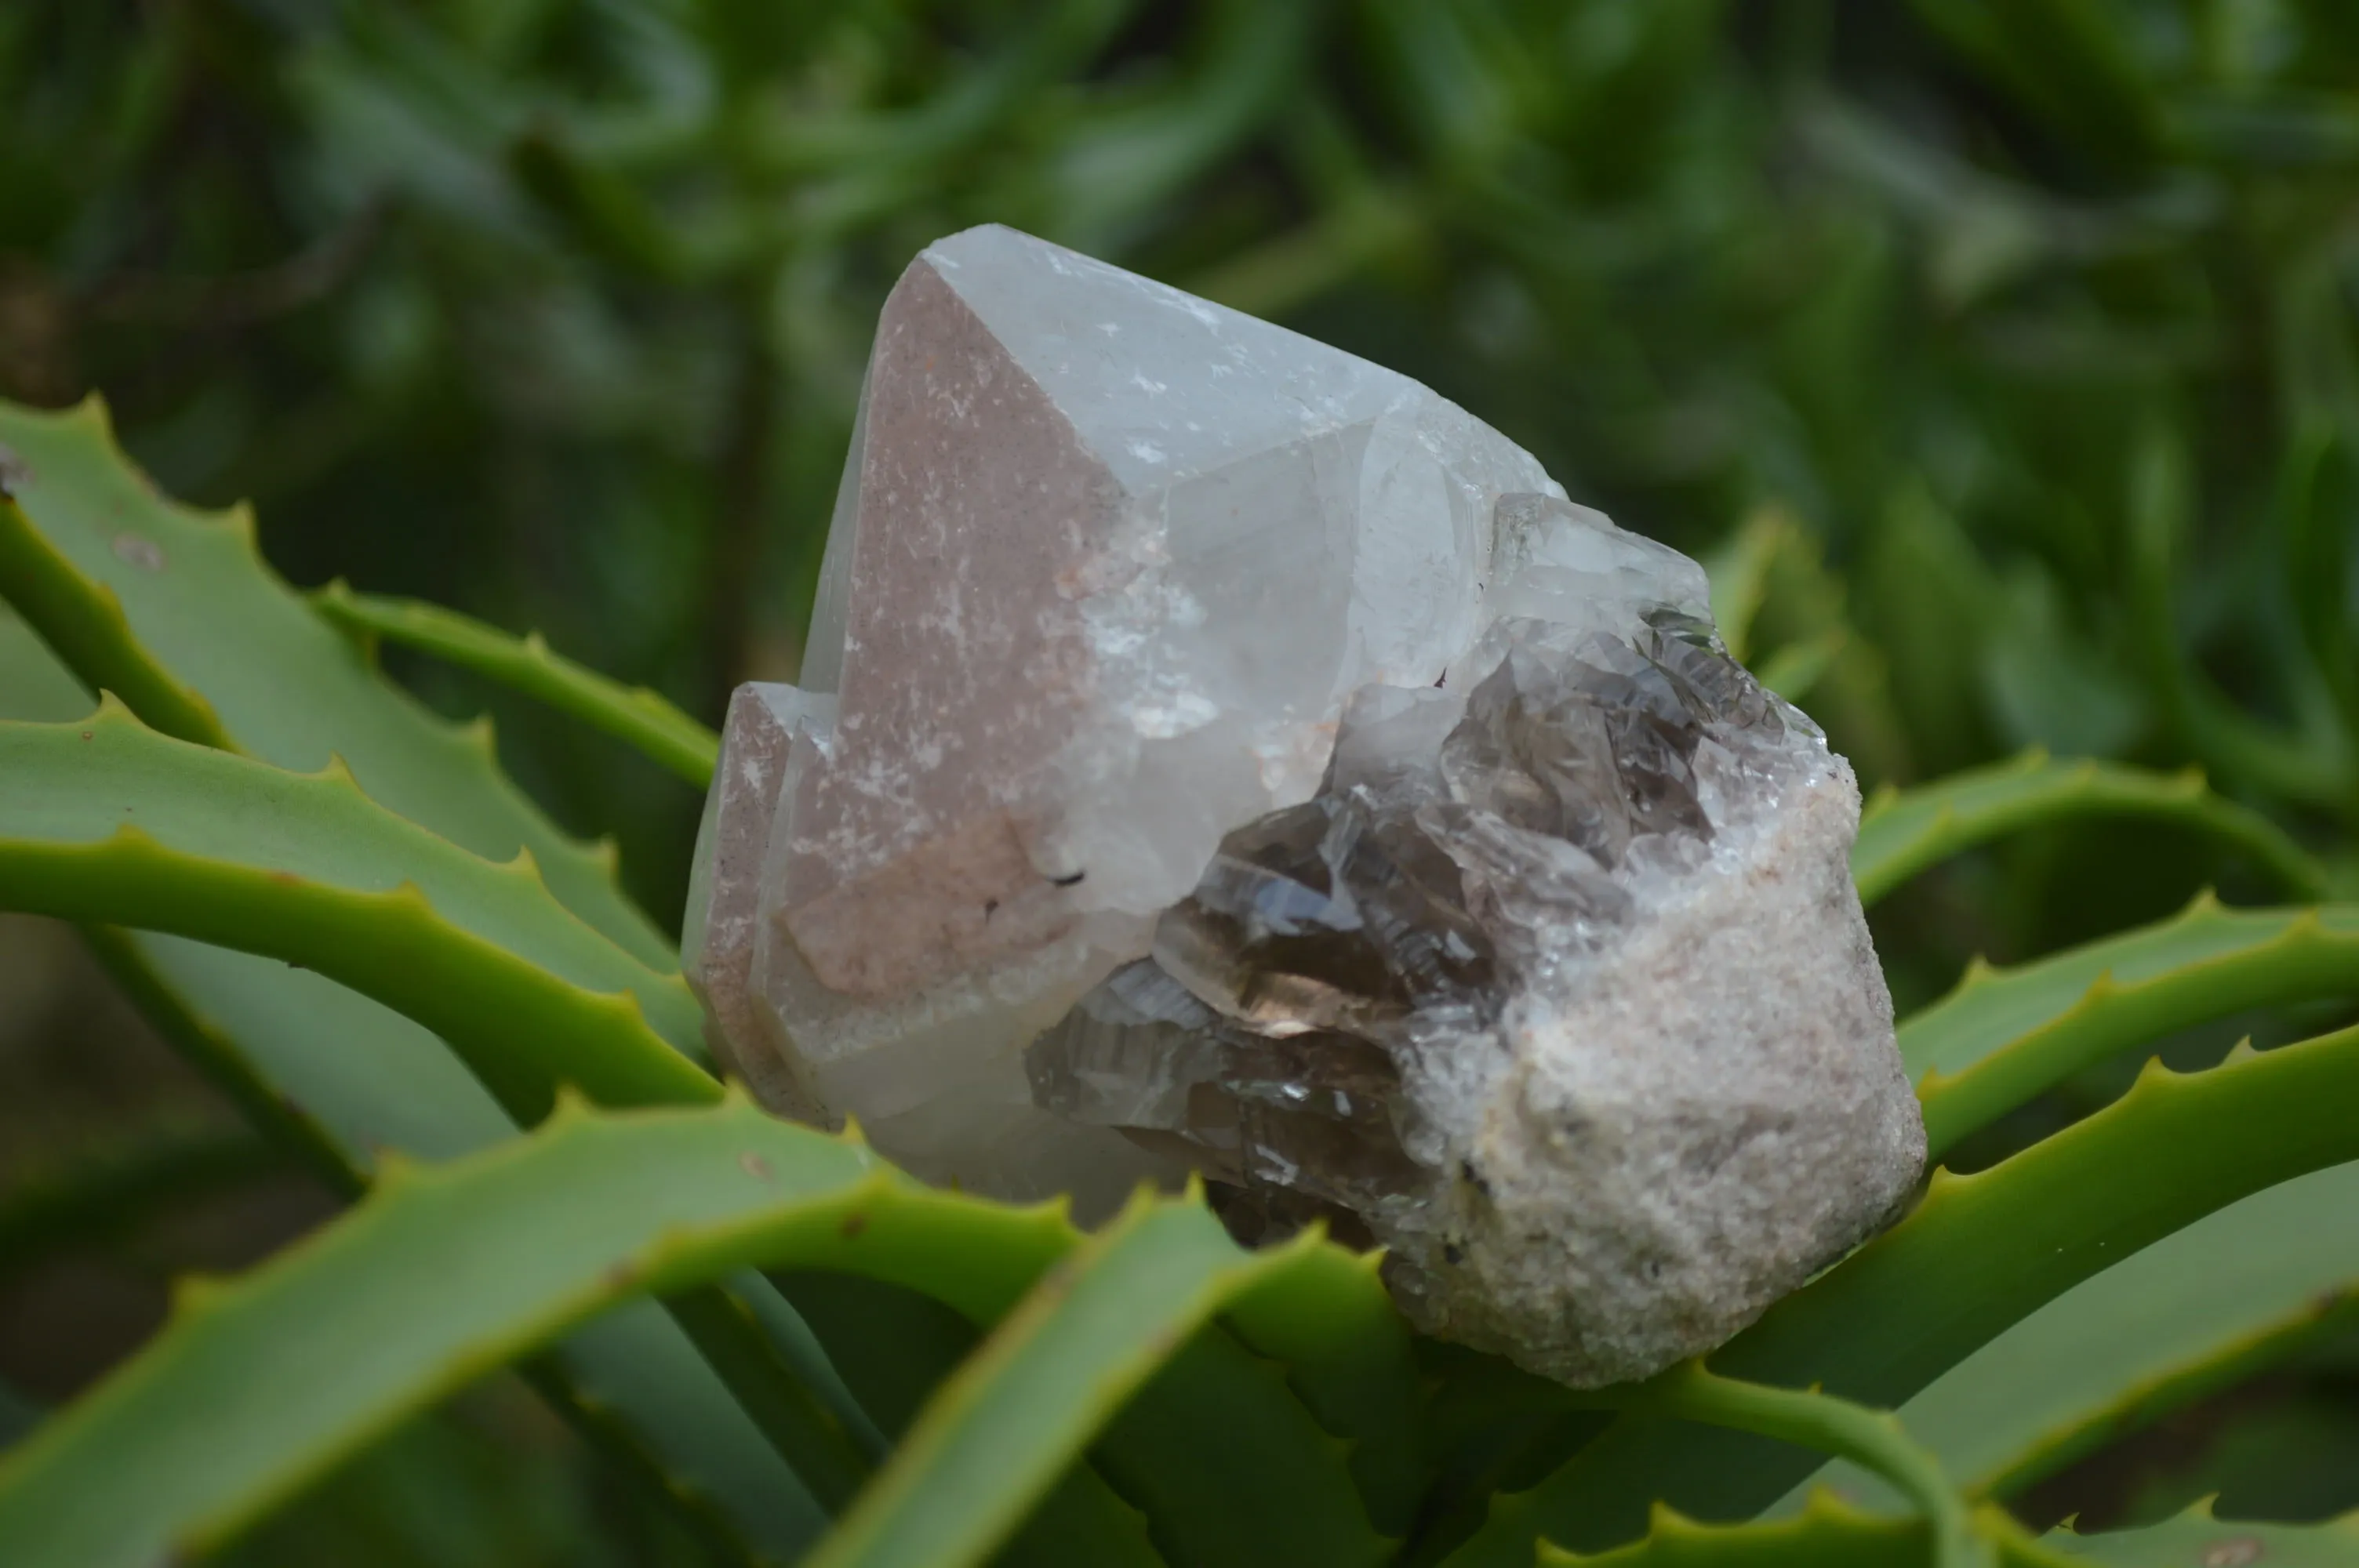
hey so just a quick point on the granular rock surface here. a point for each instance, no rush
(1217, 752)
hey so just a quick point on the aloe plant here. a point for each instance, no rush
(414, 984)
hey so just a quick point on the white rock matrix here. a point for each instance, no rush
(1215, 750)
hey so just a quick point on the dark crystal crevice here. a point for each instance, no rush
(1265, 1037)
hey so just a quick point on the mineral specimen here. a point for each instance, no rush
(1218, 751)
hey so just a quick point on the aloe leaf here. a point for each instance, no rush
(175, 612)
(1221, 1425)
(440, 1274)
(108, 822)
(631, 714)
(1978, 1254)
(33, 685)
(998, 1433)
(1831, 1535)
(342, 1080)
(234, 853)
(1828, 1533)
(1219, 1422)
(893, 1346)
(2196, 1537)
(2005, 1035)
(2200, 1311)
(262, 1383)
(1871, 1439)
(1350, 1357)
(1902, 833)
(335, 1078)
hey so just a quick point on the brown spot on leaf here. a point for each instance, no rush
(755, 1166)
(287, 879)
(854, 1224)
(2240, 1551)
(138, 550)
(622, 1276)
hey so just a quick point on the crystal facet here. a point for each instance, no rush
(1222, 753)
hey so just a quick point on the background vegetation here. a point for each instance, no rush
(2000, 356)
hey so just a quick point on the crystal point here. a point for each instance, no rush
(1223, 753)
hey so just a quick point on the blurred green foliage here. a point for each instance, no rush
(2035, 318)
(1999, 354)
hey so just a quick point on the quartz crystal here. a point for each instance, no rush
(1217, 752)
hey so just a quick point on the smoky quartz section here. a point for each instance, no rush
(1461, 848)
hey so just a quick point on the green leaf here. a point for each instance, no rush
(174, 611)
(429, 1282)
(344, 1080)
(2005, 1035)
(526, 1029)
(337, 1078)
(2200, 1311)
(633, 714)
(1871, 1439)
(33, 685)
(108, 822)
(1903, 832)
(1220, 1424)
(1348, 1356)
(2196, 1539)
(1978, 1254)
(893, 1346)
(441, 1274)
(1828, 1533)
(999, 1432)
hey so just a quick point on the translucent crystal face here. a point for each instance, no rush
(1459, 850)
